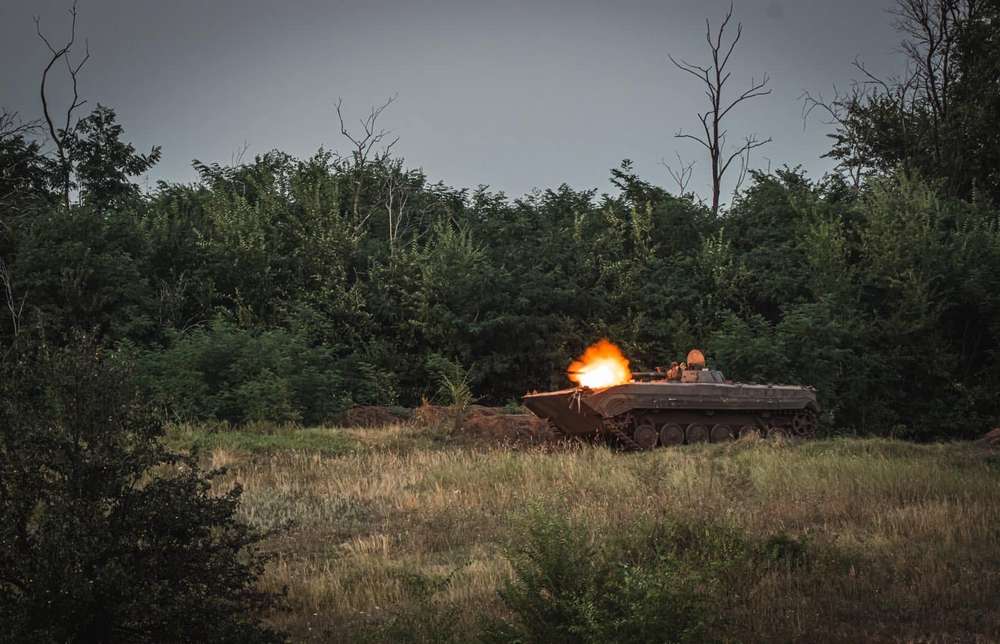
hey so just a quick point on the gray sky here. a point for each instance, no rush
(516, 95)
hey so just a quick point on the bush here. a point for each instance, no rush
(226, 372)
(567, 590)
(105, 535)
(652, 583)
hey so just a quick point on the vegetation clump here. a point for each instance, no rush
(289, 290)
(106, 535)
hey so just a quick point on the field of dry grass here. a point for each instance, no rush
(399, 532)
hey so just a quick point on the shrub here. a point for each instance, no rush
(651, 583)
(105, 535)
(226, 372)
(567, 590)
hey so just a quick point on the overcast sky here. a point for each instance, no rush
(515, 95)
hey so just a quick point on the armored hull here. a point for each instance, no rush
(701, 406)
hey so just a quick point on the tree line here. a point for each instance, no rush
(288, 289)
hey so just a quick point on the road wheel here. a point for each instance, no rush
(645, 435)
(671, 435)
(746, 430)
(721, 433)
(697, 433)
(804, 423)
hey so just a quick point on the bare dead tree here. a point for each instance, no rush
(366, 148)
(714, 77)
(14, 306)
(61, 135)
(681, 175)
(396, 191)
(236, 158)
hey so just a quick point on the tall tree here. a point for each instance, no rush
(89, 154)
(940, 117)
(714, 77)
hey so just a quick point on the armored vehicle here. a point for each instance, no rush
(686, 403)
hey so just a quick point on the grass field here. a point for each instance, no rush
(404, 533)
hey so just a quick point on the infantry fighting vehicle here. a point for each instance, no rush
(686, 403)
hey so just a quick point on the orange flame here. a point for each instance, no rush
(601, 365)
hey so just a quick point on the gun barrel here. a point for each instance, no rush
(648, 375)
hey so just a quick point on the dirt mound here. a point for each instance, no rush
(488, 424)
(494, 425)
(371, 416)
(433, 415)
(991, 438)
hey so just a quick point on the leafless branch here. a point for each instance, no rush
(60, 136)
(837, 111)
(756, 89)
(701, 73)
(682, 135)
(370, 136)
(236, 158)
(365, 149)
(681, 175)
(11, 125)
(751, 143)
(714, 78)
(15, 308)
(743, 154)
(870, 78)
(396, 191)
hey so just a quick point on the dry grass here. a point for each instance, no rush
(405, 525)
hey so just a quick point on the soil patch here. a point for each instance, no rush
(489, 424)
(991, 438)
(372, 416)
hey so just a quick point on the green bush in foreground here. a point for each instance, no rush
(657, 583)
(104, 535)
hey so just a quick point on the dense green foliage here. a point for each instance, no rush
(106, 536)
(658, 583)
(942, 116)
(287, 289)
(257, 294)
